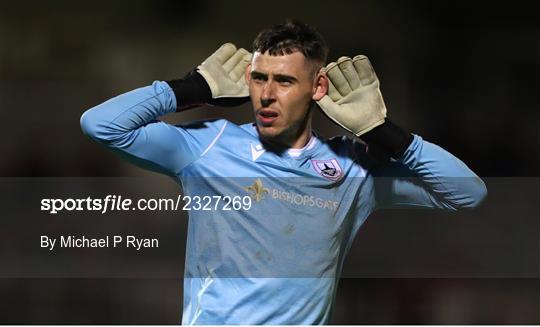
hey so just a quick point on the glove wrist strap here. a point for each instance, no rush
(390, 137)
(190, 91)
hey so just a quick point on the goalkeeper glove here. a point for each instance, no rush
(219, 80)
(354, 101)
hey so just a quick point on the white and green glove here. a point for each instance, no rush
(354, 100)
(224, 72)
(219, 80)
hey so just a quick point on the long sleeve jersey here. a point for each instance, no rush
(279, 260)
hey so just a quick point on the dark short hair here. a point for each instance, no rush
(290, 37)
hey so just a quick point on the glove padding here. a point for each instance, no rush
(354, 100)
(224, 72)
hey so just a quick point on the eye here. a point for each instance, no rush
(284, 82)
(258, 81)
(258, 77)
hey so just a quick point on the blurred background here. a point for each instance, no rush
(465, 76)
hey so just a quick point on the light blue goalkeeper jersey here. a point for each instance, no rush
(277, 261)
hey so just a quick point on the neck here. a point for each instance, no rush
(297, 141)
(303, 134)
(302, 139)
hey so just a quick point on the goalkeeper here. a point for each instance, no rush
(280, 261)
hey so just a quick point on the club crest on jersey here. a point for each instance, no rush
(328, 168)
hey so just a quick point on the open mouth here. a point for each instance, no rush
(267, 116)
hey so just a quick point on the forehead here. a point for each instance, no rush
(293, 64)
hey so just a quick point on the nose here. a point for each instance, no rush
(267, 95)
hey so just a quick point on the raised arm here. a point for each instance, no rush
(128, 124)
(427, 176)
(413, 172)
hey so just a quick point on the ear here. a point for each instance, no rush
(320, 87)
(248, 74)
